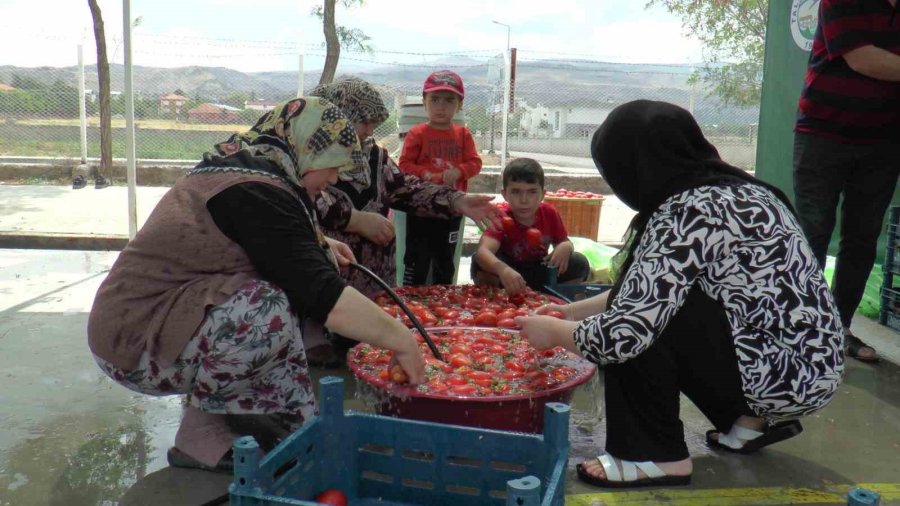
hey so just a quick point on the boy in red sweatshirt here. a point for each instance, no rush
(443, 152)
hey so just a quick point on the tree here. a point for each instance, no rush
(237, 99)
(338, 36)
(25, 83)
(103, 79)
(733, 33)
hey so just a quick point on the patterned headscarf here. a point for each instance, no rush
(358, 100)
(361, 103)
(297, 136)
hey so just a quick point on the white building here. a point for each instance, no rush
(563, 120)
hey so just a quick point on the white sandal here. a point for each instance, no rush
(655, 477)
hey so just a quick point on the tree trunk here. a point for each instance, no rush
(332, 45)
(103, 79)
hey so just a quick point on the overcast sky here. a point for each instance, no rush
(255, 35)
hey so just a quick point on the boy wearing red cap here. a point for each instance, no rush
(443, 152)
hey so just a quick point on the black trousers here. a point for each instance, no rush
(865, 176)
(536, 273)
(695, 355)
(430, 245)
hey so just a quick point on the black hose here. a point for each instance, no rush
(399, 301)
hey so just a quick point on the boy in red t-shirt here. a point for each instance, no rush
(442, 152)
(517, 255)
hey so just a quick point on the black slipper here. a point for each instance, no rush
(773, 434)
(660, 481)
(178, 458)
(853, 344)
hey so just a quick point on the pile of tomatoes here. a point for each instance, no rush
(479, 363)
(562, 193)
(464, 305)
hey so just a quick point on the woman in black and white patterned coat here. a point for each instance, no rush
(718, 296)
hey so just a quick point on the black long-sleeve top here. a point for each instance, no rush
(279, 237)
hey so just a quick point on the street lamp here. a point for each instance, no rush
(508, 29)
(507, 59)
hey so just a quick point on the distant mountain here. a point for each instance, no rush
(574, 83)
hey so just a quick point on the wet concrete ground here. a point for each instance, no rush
(70, 436)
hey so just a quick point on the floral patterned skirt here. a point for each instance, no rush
(247, 357)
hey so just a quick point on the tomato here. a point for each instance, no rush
(511, 375)
(456, 380)
(484, 382)
(398, 375)
(534, 237)
(506, 313)
(507, 323)
(556, 314)
(486, 319)
(460, 360)
(437, 386)
(509, 224)
(512, 365)
(332, 497)
(450, 314)
(438, 364)
(479, 375)
(464, 389)
(497, 349)
(460, 348)
(455, 333)
(501, 388)
(484, 361)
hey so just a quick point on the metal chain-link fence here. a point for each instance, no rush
(557, 102)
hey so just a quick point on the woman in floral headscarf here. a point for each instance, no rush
(208, 298)
(355, 209)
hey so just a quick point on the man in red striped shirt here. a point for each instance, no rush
(847, 142)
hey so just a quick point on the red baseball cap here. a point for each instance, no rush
(444, 80)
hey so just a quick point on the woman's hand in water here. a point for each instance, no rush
(547, 332)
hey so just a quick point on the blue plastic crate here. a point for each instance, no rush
(894, 215)
(390, 461)
(571, 293)
(892, 254)
(889, 314)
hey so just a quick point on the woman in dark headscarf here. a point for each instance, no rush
(208, 298)
(355, 209)
(718, 297)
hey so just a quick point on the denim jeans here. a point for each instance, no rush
(865, 176)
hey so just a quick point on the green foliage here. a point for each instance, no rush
(352, 39)
(733, 33)
(25, 83)
(57, 100)
(237, 99)
(250, 116)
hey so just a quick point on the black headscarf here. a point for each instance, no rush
(649, 151)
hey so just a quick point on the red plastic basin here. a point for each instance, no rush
(518, 413)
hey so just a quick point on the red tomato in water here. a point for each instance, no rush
(333, 497)
(398, 375)
(508, 223)
(534, 237)
(486, 319)
(507, 323)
